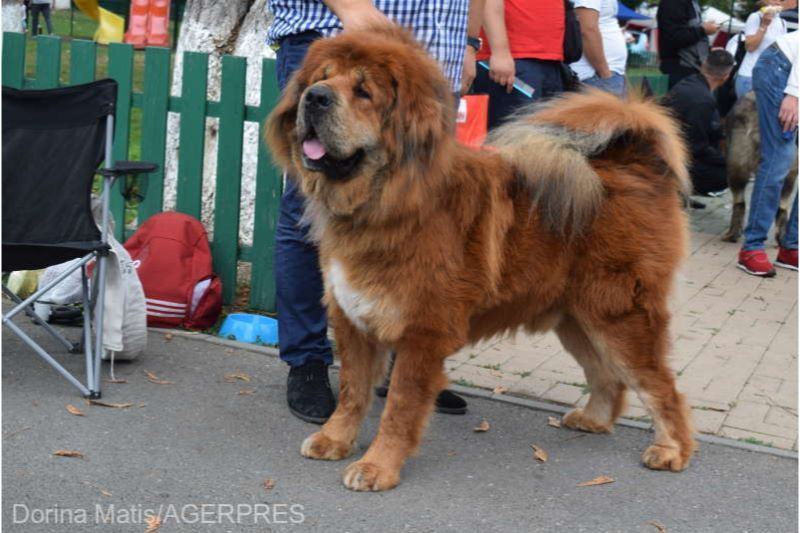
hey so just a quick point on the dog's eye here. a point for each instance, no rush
(361, 92)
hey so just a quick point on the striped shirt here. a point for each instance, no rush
(440, 25)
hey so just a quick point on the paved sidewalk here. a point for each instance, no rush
(735, 347)
(206, 444)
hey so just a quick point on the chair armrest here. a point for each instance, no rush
(127, 168)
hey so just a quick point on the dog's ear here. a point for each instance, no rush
(280, 131)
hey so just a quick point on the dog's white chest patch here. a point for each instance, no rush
(355, 305)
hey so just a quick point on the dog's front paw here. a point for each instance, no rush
(365, 476)
(320, 446)
(577, 419)
(665, 458)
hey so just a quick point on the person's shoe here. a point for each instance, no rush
(308, 392)
(695, 204)
(755, 262)
(786, 258)
(448, 403)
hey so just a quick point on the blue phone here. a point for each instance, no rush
(519, 85)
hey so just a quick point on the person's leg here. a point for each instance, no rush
(787, 255)
(614, 85)
(501, 102)
(776, 153)
(302, 319)
(47, 19)
(35, 19)
(708, 177)
(744, 84)
(769, 79)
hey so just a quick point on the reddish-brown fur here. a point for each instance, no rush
(448, 246)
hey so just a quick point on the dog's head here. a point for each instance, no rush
(364, 106)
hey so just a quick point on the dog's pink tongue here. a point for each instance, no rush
(313, 149)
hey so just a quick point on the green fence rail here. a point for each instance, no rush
(154, 102)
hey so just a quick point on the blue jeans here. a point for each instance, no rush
(302, 319)
(769, 79)
(614, 85)
(544, 76)
(743, 85)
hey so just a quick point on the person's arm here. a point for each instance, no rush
(474, 23)
(501, 63)
(674, 26)
(589, 20)
(356, 14)
(755, 30)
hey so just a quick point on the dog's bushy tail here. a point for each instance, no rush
(552, 146)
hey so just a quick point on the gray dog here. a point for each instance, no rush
(741, 131)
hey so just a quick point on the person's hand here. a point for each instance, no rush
(501, 69)
(766, 18)
(606, 74)
(710, 27)
(359, 19)
(788, 113)
(468, 71)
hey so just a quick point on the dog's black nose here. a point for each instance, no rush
(319, 96)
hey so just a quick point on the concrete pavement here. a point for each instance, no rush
(734, 347)
(199, 449)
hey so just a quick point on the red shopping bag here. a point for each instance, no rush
(472, 119)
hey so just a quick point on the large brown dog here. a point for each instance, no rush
(574, 223)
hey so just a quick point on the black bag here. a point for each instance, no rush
(726, 93)
(569, 79)
(573, 42)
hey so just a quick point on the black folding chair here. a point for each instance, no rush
(53, 144)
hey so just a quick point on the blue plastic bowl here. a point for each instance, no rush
(244, 327)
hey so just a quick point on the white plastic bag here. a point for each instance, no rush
(69, 291)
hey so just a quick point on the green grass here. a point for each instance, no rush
(753, 440)
(464, 383)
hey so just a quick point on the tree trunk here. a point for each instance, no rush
(234, 27)
(13, 15)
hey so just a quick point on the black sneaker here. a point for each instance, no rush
(448, 403)
(308, 392)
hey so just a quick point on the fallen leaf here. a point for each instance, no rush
(500, 390)
(660, 527)
(247, 392)
(496, 373)
(101, 403)
(269, 484)
(229, 351)
(452, 453)
(152, 378)
(74, 410)
(141, 405)
(168, 337)
(68, 453)
(554, 421)
(539, 454)
(602, 480)
(234, 376)
(482, 427)
(116, 381)
(105, 493)
(153, 523)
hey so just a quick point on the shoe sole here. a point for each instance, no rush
(769, 274)
(786, 266)
(306, 418)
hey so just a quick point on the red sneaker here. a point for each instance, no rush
(786, 258)
(757, 263)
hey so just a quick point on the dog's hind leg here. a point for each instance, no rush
(737, 213)
(418, 376)
(639, 341)
(363, 365)
(607, 397)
